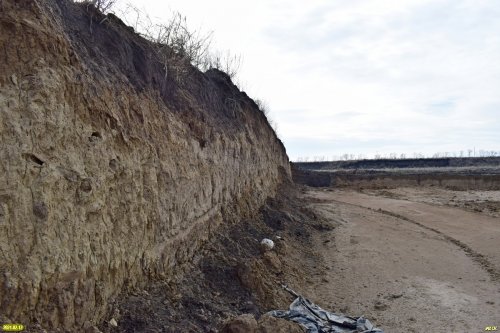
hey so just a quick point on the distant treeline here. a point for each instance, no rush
(402, 163)
(393, 156)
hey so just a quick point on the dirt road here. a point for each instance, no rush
(408, 266)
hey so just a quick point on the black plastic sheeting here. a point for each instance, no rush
(317, 320)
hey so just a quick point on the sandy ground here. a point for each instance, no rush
(406, 264)
(486, 202)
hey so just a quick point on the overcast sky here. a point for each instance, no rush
(363, 76)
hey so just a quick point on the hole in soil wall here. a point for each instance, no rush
(203, 143)
(96, 135)
(33, 158)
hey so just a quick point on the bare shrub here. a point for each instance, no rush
(174, 38)
(265, 110)
(104, 6)
(176, 44)
(262, 106)
(225, 62)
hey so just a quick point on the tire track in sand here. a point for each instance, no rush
(475, 256)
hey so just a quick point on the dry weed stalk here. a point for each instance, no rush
(104, 6)
(176, 44)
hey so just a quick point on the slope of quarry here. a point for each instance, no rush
(114, 172)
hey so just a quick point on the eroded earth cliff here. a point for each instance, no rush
(113, 172)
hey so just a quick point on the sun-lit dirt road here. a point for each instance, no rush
(408, 266)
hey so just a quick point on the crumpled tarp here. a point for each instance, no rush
(317, 320)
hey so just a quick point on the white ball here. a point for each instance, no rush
(267, 244)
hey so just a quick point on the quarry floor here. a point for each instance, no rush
(412, 260)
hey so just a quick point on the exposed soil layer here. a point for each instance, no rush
(459, 178)
(482, 173)
(115, 168)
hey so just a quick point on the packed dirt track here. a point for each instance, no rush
(409, 265)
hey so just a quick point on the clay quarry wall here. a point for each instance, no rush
(113, 172)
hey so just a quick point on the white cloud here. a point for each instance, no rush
(413, 75)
